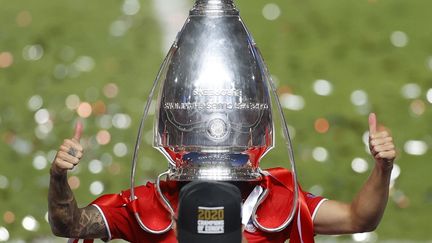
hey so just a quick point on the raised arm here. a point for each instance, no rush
(365, 211)
(66, 219)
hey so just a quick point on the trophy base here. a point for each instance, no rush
(214, 174)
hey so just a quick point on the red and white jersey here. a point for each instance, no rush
(118, 211)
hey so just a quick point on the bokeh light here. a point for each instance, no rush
(321, 125)
(21, 146)
(401, 200)
(6, 59)
(130, 7)
(4, 234)
(322, 87)
(84, 64)
(359, 97)
(35, 102)
(40, 162)
(415, 147)
(418, 107)
(95, 166)
(271, 11)
(317, 190)
(74, 182)
(119, 28)
(33, 52)
(359, 165)
(395, 172)
(120, 149)
(110, 90)
(99, 108)
(399, 38)
(4, 182)
(121, 121)
(30, 223)
(429, 95)
(292, 102)
(9, 217)
(320, 154)
(42, 116)
(84, 110)
(365, 140)
(72, 102)
(96, 187)
(42, 130)
(24, 18)
(411, 91)
(103, 137)
(365, 237)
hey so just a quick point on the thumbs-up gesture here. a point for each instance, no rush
(70, 152)
(381, 143)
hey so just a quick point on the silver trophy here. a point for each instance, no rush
(214, 116)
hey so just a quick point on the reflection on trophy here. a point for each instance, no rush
(214, 118)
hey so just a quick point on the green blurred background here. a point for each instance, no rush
(334, 62)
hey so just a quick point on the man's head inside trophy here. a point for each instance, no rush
(214, 117)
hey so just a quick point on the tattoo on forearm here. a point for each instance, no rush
(91, 224)
(66, 218)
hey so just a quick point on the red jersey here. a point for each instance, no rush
(118, 211)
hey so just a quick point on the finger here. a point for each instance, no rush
(381, 134)
(372, 124)
(384, 148)
(64, 165)
(381, 141)
(390, 155)
(66, 148)
(73, 144)
(78, 130)
(67, 157)
(79, 155)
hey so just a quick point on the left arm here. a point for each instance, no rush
(365, 211)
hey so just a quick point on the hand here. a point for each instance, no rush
(70, 152)
(381, 143)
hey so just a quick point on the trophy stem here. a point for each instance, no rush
(214, 7)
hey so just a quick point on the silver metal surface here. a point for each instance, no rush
(214, 119)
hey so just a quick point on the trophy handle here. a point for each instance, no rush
(135, 157)
(141, 126)
(167, 206)
(290, 155)
(163, 199)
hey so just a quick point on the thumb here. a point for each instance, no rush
(372, 123)
(78, 130)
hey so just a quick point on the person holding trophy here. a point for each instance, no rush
(214, 123)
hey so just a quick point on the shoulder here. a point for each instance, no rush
(169, 188)
(277, 172)
(279, 175)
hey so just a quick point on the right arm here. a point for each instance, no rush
(66, 219)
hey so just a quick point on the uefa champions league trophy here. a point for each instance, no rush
(214, 111)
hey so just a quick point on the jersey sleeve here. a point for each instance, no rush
(115, 215)
(119, 220)
(313, 202)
